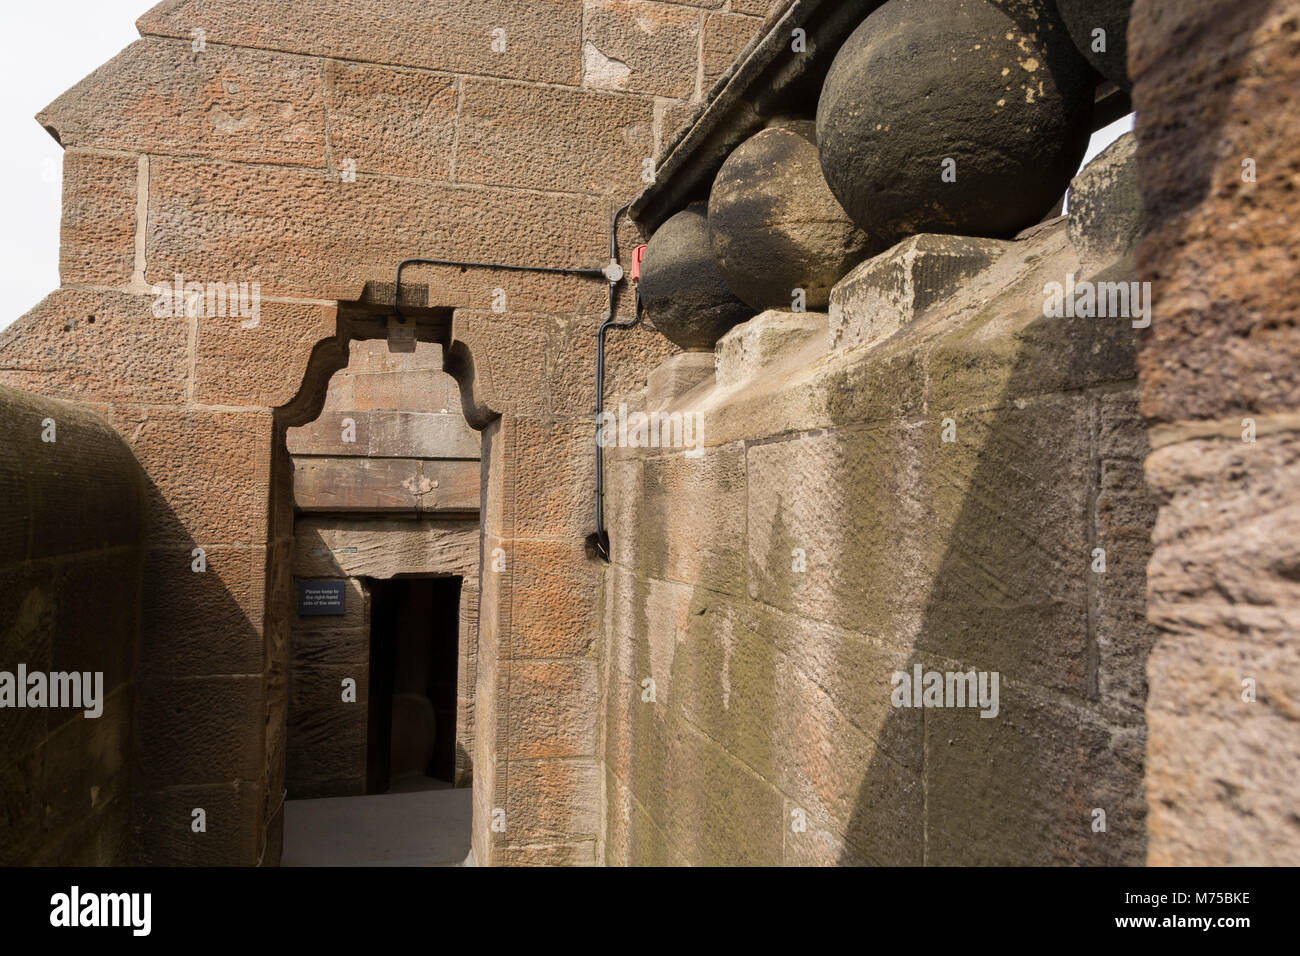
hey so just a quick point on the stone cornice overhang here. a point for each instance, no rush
(769, 80)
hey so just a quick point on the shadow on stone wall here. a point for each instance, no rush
(1017, 506)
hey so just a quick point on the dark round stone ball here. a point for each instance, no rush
(776, 227)
(1084, 17)
(966, 117)
(682, 290)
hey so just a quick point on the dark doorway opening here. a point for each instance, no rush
(414, 655)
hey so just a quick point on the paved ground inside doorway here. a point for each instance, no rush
(420, 828)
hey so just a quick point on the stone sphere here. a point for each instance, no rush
(682, 290)
(954, 116)
(774, 224)
(1084, 17)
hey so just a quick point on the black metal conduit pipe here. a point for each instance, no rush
(613, 274)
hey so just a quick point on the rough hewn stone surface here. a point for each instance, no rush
(640, 47)
(97, 347)
(231, 222)
(1223, 593)
(392, 121)
(70, 576)
(243, 105)
(725, 37)
(385, 485)
(887, 292)
(569, 140)
(997, 88)
(685, 294)
(764, 341)
(97, 237)
(873, 546)
(779, 236)
(1213, 87)
(541, 38)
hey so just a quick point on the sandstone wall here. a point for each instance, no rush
(309, 147)
(1214, 90)
(829, 536)
(71, 557)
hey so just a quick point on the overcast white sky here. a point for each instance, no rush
(52, 45)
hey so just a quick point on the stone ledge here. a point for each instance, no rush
(752, 346)
(887, 292)
(677, 376)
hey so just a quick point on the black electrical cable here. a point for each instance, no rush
(613, 274)
(601, 537)
(397, 284)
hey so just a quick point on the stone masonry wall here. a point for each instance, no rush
(71, 557)
(764, 593)
(309, 147)
(1214, 89)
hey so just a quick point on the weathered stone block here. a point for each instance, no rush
(640, 48)
(160, 96)
(885, 293)
(456, 36)
(260, 360)
(553, 802)
(552, 615)
(717, 811)
(423, 435)
(196, 730)
(744, 352)
(385, 484)
(166, 836)
(677, 376)
(391, 121)
(504, 365)
(209, 472)
(269, 228)
(329, 547)
(87, 764)
(548, 138)
(979, 809)
(96, 615)
(552, 707)
(204, 623)
(97, 236)
(95, 346)
(1011, 350)
(701, 543)
(552, 469)
(1213, 88)
(725, 38)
